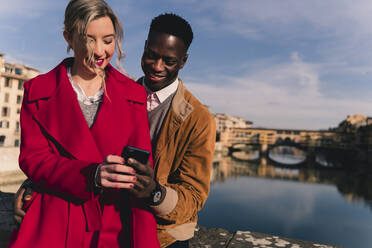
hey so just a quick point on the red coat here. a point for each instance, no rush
(60, 154)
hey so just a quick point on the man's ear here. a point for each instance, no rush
(184, 59)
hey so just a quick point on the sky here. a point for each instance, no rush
(296, 64)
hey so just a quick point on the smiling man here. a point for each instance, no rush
(182, 132)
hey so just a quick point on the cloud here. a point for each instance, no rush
(8, 28)
(329, 17)
(332, 30)
(276, 63)
(15, 8)
(286, 95)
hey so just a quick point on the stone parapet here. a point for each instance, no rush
(206, 237)
(9, 159)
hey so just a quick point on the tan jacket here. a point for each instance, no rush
(182, 161)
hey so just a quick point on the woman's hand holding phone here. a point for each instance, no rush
(128, 173)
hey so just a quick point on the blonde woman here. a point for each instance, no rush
(75, 122)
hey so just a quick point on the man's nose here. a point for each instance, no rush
(158, 65)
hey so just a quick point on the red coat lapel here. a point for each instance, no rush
(112, 119)
(61, 117)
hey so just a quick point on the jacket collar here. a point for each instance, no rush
(49, 81)
(47, 89)
(181, 107)
(61, 117)
(179, 111)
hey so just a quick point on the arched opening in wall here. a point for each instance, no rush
(279, 140)
(2, 140)
(287, 140)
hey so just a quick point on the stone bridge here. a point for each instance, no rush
(265, 136)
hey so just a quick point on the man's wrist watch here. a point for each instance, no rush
(156, 196)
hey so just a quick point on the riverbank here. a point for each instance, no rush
(204, 237)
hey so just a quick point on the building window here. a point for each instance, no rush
(17, 126)
(19, 99)
(2, 140)
(16, 143)
(18, 71)
(8, 69)
(5, 111)
(18, 110)
(6, 98)
(8, 83)
(20, 84)
(4, 124)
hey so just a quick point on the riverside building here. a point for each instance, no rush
(12, 77)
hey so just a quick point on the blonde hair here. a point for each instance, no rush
(79, 13)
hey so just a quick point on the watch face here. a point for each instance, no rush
(157, 196)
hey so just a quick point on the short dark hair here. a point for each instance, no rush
(174, 25)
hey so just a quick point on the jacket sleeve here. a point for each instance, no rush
(190, 183)
(47, 168)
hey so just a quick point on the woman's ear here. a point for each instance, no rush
(67, 37)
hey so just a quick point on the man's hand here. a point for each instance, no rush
(114, 174)
(24, 193)
(145, 183)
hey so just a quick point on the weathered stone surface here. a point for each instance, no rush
(216, 238)
(210, 237)
(4, 238)
(11, 178)
(6, 211)
(9, 159)
(251, 239)
(6, 218)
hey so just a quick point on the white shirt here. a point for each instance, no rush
(82, 97)
(154, 99)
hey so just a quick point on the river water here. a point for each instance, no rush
(282, 195)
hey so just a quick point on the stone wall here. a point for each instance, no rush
(9, 159)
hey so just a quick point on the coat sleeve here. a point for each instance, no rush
(46, 167)
(191, 181)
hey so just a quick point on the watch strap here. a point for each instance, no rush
(156, 196)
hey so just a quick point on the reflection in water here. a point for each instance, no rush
(287, 155)
(352, 183)
(247, 155)
(322, 160)
(308, 202)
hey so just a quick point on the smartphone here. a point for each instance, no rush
(138, 154)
